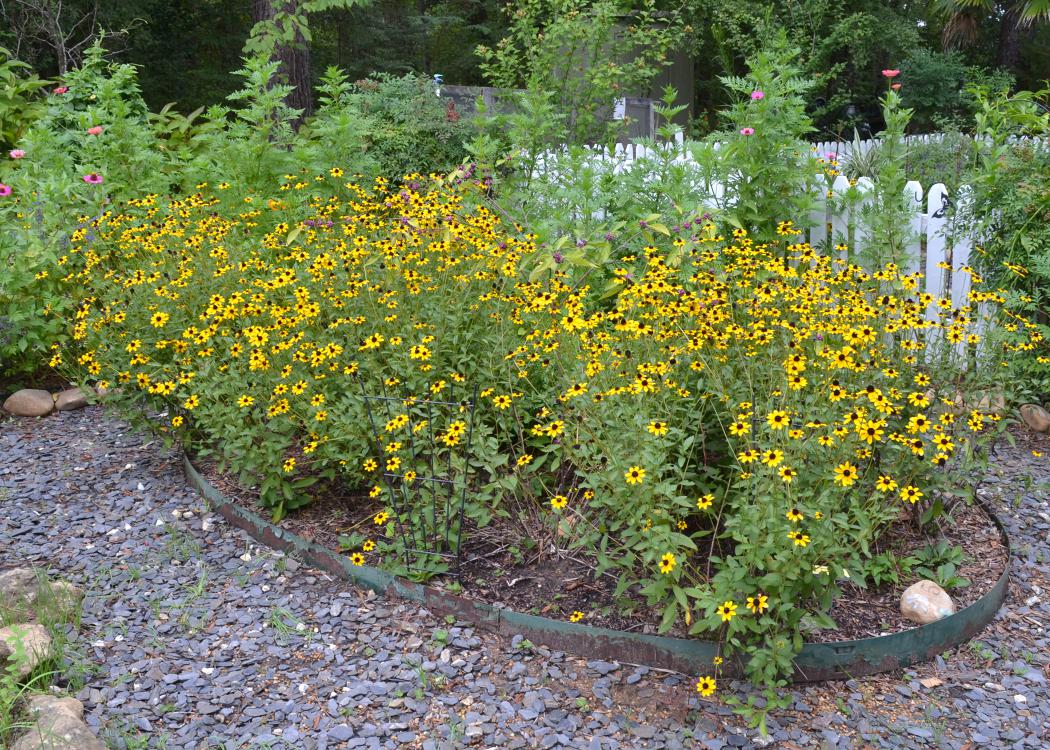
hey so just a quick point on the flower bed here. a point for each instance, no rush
(726, 426)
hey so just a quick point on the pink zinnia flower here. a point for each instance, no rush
(891, 73)
(96, 130)
(758, 95)
(60, 90)
(5, 190)
(93, 178)
(896, 87)
(747, 131)
(16, 153)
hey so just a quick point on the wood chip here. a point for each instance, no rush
(930, 682)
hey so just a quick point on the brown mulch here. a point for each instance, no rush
(496, 568)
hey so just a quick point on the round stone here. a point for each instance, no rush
(29, 402)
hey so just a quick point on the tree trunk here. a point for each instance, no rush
(294, 59)
(1011, 34)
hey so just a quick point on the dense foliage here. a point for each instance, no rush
(670, 380)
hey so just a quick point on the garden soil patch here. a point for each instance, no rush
(555, 583)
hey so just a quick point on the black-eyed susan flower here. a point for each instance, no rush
(778, 419)
(758, 603)
(726, 610)
(706, 686)
(846, 474)
(657, 428)
(634, 475)
(668, 562)
(910, 493)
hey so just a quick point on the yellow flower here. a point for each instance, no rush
(778, 419)
(846, 474)
(726, 610)
(772, 457)
(758, 604)
(657, 428)
(357, 559)
(245, 401)
(559, 501)
(634, 475)
(910, 493)
(667, 562)
(706, 686)
(885, 483)
(524, 459)
(576, 616)
(381, 518)
(501, 401)
(794, 515)
(368, 546)
(289, 466)
(705, 501)
(739, 428)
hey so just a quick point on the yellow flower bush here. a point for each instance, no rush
(707, 417)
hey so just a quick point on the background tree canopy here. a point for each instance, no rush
(186, 49)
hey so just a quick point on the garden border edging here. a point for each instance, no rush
(816, 661)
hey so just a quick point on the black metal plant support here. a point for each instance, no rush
(426, 508)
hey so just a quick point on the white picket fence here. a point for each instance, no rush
(937, 246)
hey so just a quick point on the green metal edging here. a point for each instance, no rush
(816, 661)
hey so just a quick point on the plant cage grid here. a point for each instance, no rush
(435, 529)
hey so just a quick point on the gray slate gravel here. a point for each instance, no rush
(201, 639)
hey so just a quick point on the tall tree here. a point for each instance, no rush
(1016, 19)
(278, 18)
(282, 32)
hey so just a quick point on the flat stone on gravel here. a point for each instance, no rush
(29, 639)
(58, 726)
(71, 399)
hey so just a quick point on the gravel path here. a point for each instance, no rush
(200, 639)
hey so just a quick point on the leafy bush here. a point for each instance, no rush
(935, 86)
(725, 425)
(411, 129)
(1009, 212)
(584, 55)
(19, 106)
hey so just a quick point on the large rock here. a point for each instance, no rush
(59, 726)
(29, 402)
(1036, 417)
(29, 639)
(23, 591)
(18, 587)
(74, 398)
(925, 602)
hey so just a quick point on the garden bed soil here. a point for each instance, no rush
(556, 583)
